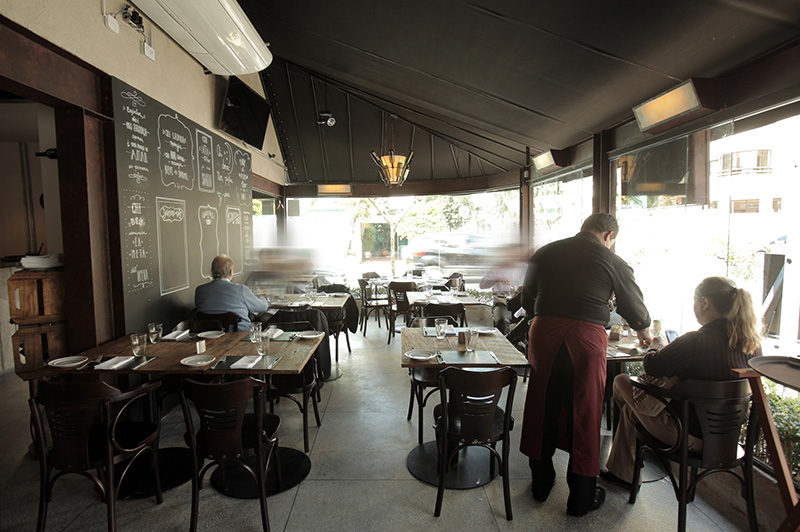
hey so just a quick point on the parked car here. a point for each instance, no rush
(469, 254)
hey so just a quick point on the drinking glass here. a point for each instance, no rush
(154, 331)
(263, 344)
(469, 334)
(255, 331)
(441, 328)
(138, 343)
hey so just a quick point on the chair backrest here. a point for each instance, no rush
(197, 326)
(397, 294)
(456, 282)
(370, 275)
(295, 326)
(721, 408)
(71, 409)
(473, 398)
(454, 310)
(229, 320)
(417, 273)
(334, 289)
(221, 408)
(430, 321)
(366, 291)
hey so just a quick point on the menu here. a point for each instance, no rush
(184, 197)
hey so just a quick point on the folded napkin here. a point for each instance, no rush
(246, 362)
(274, 333)
(114, 363)
(36, 262)
(176, 336)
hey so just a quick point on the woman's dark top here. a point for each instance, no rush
(575, 278)
(702, 354)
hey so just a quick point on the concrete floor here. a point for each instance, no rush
(358, 479)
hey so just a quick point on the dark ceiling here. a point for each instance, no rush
(475, 84)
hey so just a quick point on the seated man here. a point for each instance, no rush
(221, 295)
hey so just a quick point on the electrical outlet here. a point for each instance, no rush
(149, 51)
(111, 23)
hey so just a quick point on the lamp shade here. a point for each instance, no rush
(393, 168)
(550, 161)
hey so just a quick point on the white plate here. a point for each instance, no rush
(420, 354)
(298, 304)
(309, 334)
(210, 335)
(67, 362)
(197, 360)
(485, 330)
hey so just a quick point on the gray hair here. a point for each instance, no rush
(221, 267)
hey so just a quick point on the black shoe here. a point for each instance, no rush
(608, 476)
(541, 494)
(597, 502)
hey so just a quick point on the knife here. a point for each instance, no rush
(143, 362)
(218, 362)
(495, 357)
(275, 362)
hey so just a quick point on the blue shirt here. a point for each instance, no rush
(221, 295)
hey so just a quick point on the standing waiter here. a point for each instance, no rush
(571, 281)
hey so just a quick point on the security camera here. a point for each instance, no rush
(132, 18)
(326, 118)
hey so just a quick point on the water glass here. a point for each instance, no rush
(441, 328)
(154, 331)
(263, 344)
(138, 343)
(469, 334)
(255, 331)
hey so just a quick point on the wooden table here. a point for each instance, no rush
(294, 354)
(421, 299)
(783, 474)
(472, 468)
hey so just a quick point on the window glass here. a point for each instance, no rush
(559, 207)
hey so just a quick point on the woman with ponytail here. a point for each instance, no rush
(729, 336)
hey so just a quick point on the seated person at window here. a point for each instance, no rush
(221, 295)
(729, 336)
(504, 280)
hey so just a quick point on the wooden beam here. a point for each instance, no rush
(264, 185)
(36, 69)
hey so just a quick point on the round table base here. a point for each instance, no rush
(471, 470)
(335, 373)
(295, 467)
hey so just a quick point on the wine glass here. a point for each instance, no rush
(138, 344)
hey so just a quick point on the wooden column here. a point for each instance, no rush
(87, 256)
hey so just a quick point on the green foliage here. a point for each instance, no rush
(786, 413)
(258, 209)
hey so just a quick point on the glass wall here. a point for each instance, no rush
(718, 202)
(559, 206)
(440, 235)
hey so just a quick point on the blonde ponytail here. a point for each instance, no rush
(743, 333)
(736, 305)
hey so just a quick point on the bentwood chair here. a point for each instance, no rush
(715, 411)
(398, 304)
(422, 378)
(469, 415)
(197, 326)
(456, 280)
(370, 303)
(89, 436)
(227, 434)
(229, 320)
(338, 320)
(305, 384)
(457, 311)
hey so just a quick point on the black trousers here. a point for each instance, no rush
(560, 397)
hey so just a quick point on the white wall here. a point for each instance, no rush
(176, 79)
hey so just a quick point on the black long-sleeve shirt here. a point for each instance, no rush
(575, 278)
(702, 354)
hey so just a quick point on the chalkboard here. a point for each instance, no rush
(184, 197)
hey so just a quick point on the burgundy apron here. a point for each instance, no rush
(586, 343)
